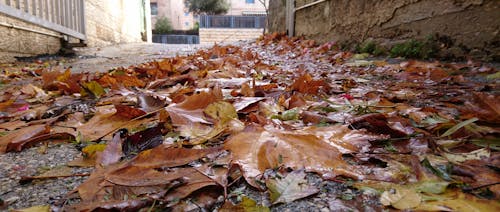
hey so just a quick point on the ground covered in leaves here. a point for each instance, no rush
(262, 126)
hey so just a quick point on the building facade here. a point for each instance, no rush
(181, 19)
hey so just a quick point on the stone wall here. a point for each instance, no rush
(106, 22)
(112, 22)
(277, 16)
(22, 43)
(218, 35)
(471, 25)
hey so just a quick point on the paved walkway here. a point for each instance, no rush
(105, 58)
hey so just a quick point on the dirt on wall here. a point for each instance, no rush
(471, 26)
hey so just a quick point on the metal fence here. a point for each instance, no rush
(176, 39)
(231, 21)
(64, 16)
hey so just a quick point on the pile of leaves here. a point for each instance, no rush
(178, 132)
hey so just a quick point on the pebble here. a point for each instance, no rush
(30, 162)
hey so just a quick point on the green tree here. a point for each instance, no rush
(163, 26)
(209, 7)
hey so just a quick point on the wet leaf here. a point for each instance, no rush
(247, 204)
(458, 201)
(432, 187)
(478, 154)
(443, 174)
(458, 126)
(401, 198)
(290, 188)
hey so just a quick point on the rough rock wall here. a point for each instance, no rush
(277, 15)
(471, 24)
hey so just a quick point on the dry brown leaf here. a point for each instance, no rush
(144, 176)
(314, 149)
(306, 84)
(113, 151)
(167, 156)
(10, 140)
(106, 121)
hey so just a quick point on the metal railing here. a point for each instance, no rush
(230, 21)
(176, 39)
(63, 16)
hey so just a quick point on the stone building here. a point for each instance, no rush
(174, 11)
(182, 19)
(29, 28)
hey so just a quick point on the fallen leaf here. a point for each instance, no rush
(401, 198)
(143, 140)
(458, 201)
(128, 111)
(38, 208)
(194, 181)
(113, 151)
(458, 126)
(94, 88)
(22, 135)
(108, 121)
(478, 154)
(314, 149)
(166, 156)
(145, 176)
(290, 188)
(149, 103)
(306, 84)
(247, 204)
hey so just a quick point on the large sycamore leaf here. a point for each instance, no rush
(290, 188)
(314, 149)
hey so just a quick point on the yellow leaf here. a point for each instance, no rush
(38, 208)
(401, 198)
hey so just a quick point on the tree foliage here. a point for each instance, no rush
(209, 7)
(163, 25)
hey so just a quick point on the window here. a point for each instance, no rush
(154, 8)
(250, 1)
(186, 13)
(186, 23)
